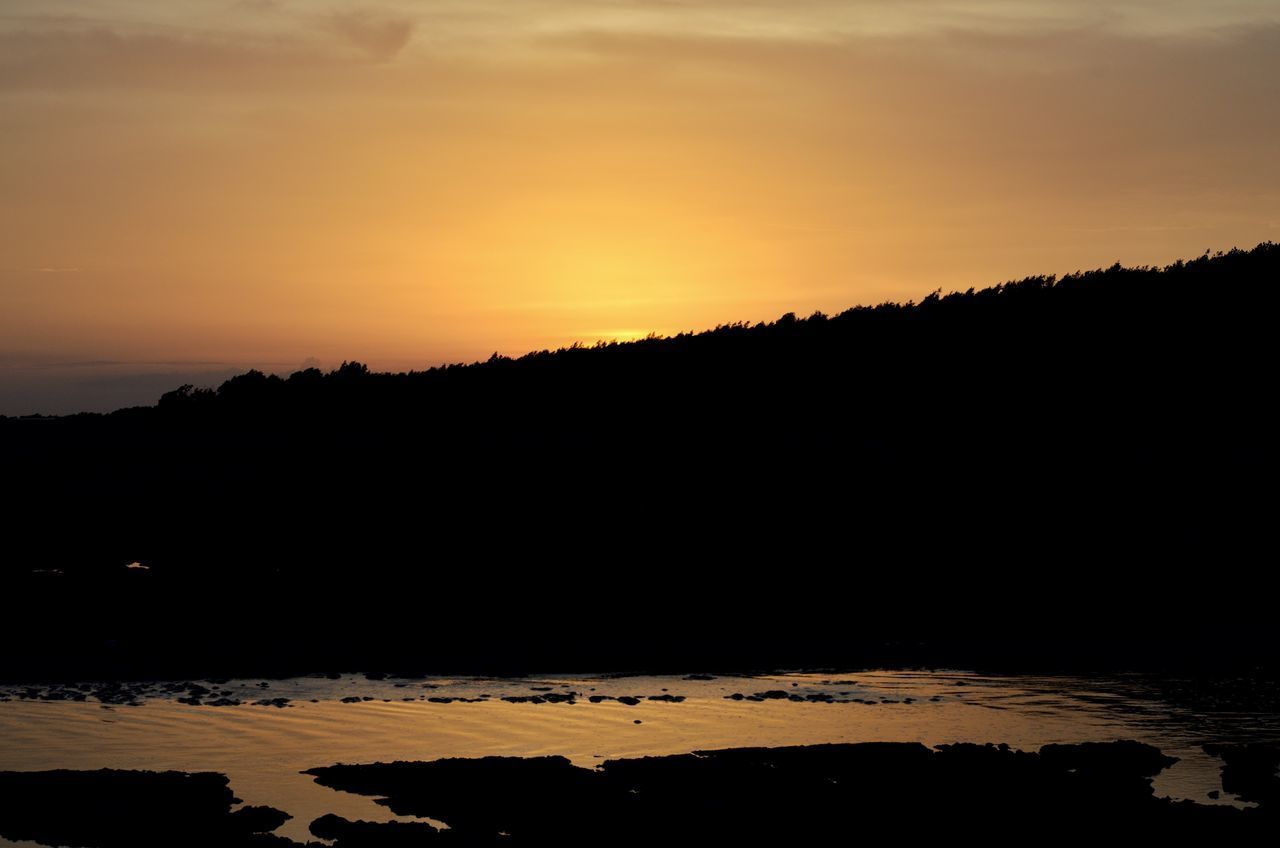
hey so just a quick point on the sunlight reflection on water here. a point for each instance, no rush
(263, 748)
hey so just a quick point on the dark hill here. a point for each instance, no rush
(1085, 461)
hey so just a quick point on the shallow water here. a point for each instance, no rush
(263, 748)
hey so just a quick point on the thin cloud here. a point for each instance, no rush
(58, 60)
(377, 35)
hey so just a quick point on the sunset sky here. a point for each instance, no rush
(193, 187)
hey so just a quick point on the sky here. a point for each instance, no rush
(196, 187)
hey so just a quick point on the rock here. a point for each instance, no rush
(804, 795)
(138, 809)
(251, 819)
(278, 703)
(1250, 771)
(363, 834)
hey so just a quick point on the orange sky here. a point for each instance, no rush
(199, 186)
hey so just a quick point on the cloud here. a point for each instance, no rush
(379, 36)
(101, 57)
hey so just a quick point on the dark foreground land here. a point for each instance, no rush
(1073, 473)
(824, 794)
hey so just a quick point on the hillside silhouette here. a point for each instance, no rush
(1079, 460)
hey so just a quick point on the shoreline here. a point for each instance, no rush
(751, 796)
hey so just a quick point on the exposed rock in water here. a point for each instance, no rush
(363, 834)
(1251, 771)
(131, 809)
(799, 795)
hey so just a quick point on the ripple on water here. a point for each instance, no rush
(263, 749)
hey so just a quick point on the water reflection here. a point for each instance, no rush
(279, 728)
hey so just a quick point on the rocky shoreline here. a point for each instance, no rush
(741, 796)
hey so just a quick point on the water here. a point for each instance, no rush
(263, 748)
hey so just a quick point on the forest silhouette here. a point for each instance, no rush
(1079, 461)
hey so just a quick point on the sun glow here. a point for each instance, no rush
(272, 184)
